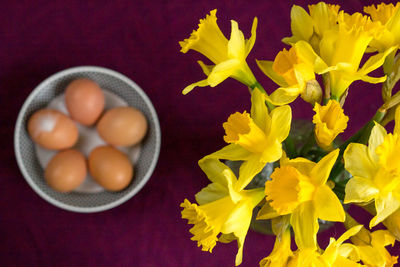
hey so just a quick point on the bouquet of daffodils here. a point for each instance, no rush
(307, 186)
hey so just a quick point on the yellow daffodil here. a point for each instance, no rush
(370, 247)
(329, 121)
(376, 171)
(387, 15)
(299, 188)
(222, 208)
(373, 252)
(336, 254)
(292, 72)
(229, 57)
(281, 252)
(341, 51)
(312, 27)
(255, 138)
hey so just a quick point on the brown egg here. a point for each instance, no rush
(110, 168)
(84, 100)
(66, 170)
(52, 129)
(122, 126)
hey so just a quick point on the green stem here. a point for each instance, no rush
(333, 97)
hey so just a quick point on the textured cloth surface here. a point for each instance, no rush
(140, 40)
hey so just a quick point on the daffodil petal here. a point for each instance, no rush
(251, 41)
(217, 172)
(231, 152)
(273, 152)
(222, 71)
(359, 190)
(190, 87)
(236, 45)
(385, 206)
(281, 118)
(349, 233)
(327, 205)
(375, 62)
(342, 261)
(267, 212)
(370, 79)
(301, 23)
(248, 170)
(320, 173)
(305, 226)
(382, 237)
(303, 165)
(376, 138)
(238, 222)
(210, 193)
(227, 238)
(348, 250)
(259, 111)
(281, 96)
(266, 67)
(306, 52)
(394, 23)
(370, 257)
(206, 68)
(357, 161)
(239, 254)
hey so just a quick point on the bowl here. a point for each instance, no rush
(54, 86)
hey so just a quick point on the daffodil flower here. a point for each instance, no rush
(376, 171)
(292, 72)
(389, 16)
(299, 188)
(229, 57)
(373, 252)
(222, 208)
(312, 27)
(336, 254)
(255, 138)
(329, 121)
(370, 247)
(341, 51)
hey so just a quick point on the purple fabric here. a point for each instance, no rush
(138, 39)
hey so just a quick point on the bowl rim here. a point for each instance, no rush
(17, 133)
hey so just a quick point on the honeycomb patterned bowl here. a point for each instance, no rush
(53, 86)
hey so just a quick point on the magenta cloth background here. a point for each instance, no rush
(140, 40)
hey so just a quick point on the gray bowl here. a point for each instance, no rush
(55, 85)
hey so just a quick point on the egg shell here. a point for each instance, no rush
(122, 126)
(52, 129)
(84, 100)
(66, 170)
(110, 167)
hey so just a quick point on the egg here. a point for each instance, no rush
(122, 126)
(84, 100)
(66, 170)
(52, 129)
(110, 168)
